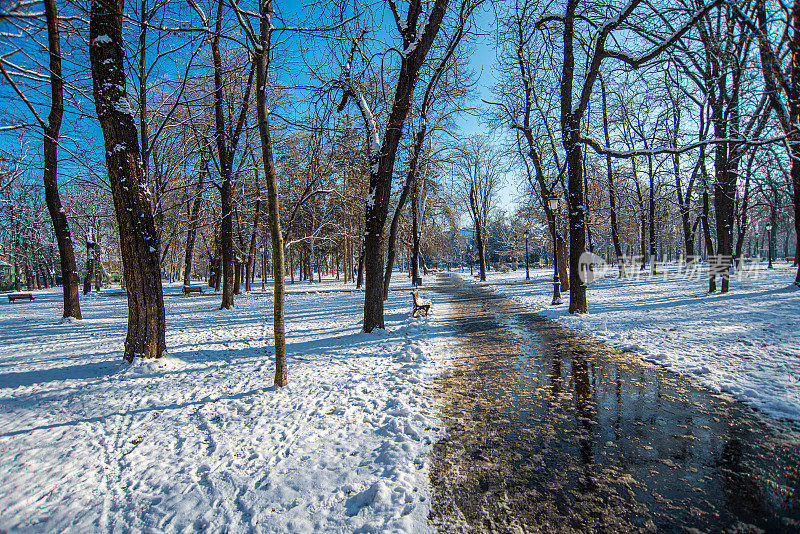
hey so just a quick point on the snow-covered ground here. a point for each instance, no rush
(745, 343)
(201, 440)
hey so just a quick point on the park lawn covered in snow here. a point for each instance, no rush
(745, 343)
(200, 440)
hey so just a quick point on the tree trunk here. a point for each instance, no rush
(250, 265)
(577, 233)
(360, 274)
(69, 271)
(194, 222)
(145, 337)
(226, 244)
(226, 150)
(796, 186)
(237, 274)
(30, 275)
(652, 215)
(414, 235)
(262, 58)
(87, 278)
(479, 239)
(794, 135)
(741, 233)
(709, 243)
(724, 198)
(612, 194)
(99, 271)
(382, 156)
(217, 260)
(410, 178)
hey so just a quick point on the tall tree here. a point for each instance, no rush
(782, 82)
(432, 90)
(417, 41)
(51, 129)
(573, 110)
(69, 273)
(479, 165)
(145, 337)
(226, 137)
(194, 219)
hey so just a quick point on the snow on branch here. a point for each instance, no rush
(607, 151)
(351, 90)
(638, 61)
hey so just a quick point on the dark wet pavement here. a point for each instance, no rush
(548, 431)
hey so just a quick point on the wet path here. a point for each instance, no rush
(548, 431)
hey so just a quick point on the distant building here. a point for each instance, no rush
(466, 233)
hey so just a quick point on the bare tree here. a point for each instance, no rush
(782, 81)
(51, 129)
(417, 36)
(479, 165)
(132, 198)
(573, 110)
(433, 89)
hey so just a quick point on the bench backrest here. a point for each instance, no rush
(415, 294)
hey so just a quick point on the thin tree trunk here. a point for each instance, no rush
(709, 243)
(652, 215)
(250, 266)
(410, 177)
(360, 275)
(87, 278)
(194, 222)
(226, 150)
(237, 270)
(742, 219)
(262, 59)
(570, 128)
(612, 194)
(477, 220)
(414, 234)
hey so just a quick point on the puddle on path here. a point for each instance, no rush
(551, 432)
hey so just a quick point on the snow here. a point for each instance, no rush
(745, 343)
(370, 198)
(101, 39)
(200, 439)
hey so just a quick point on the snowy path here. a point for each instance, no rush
(549, 431)
(745, 343)
(201, 440)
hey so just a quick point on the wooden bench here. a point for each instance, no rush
(420, 304)
(17, 296)
(192, 289)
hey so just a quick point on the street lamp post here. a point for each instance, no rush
(527, 269)
(552, 203)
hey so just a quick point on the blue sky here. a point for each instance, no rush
(483, 60)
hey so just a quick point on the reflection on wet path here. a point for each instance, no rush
(551, 432)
